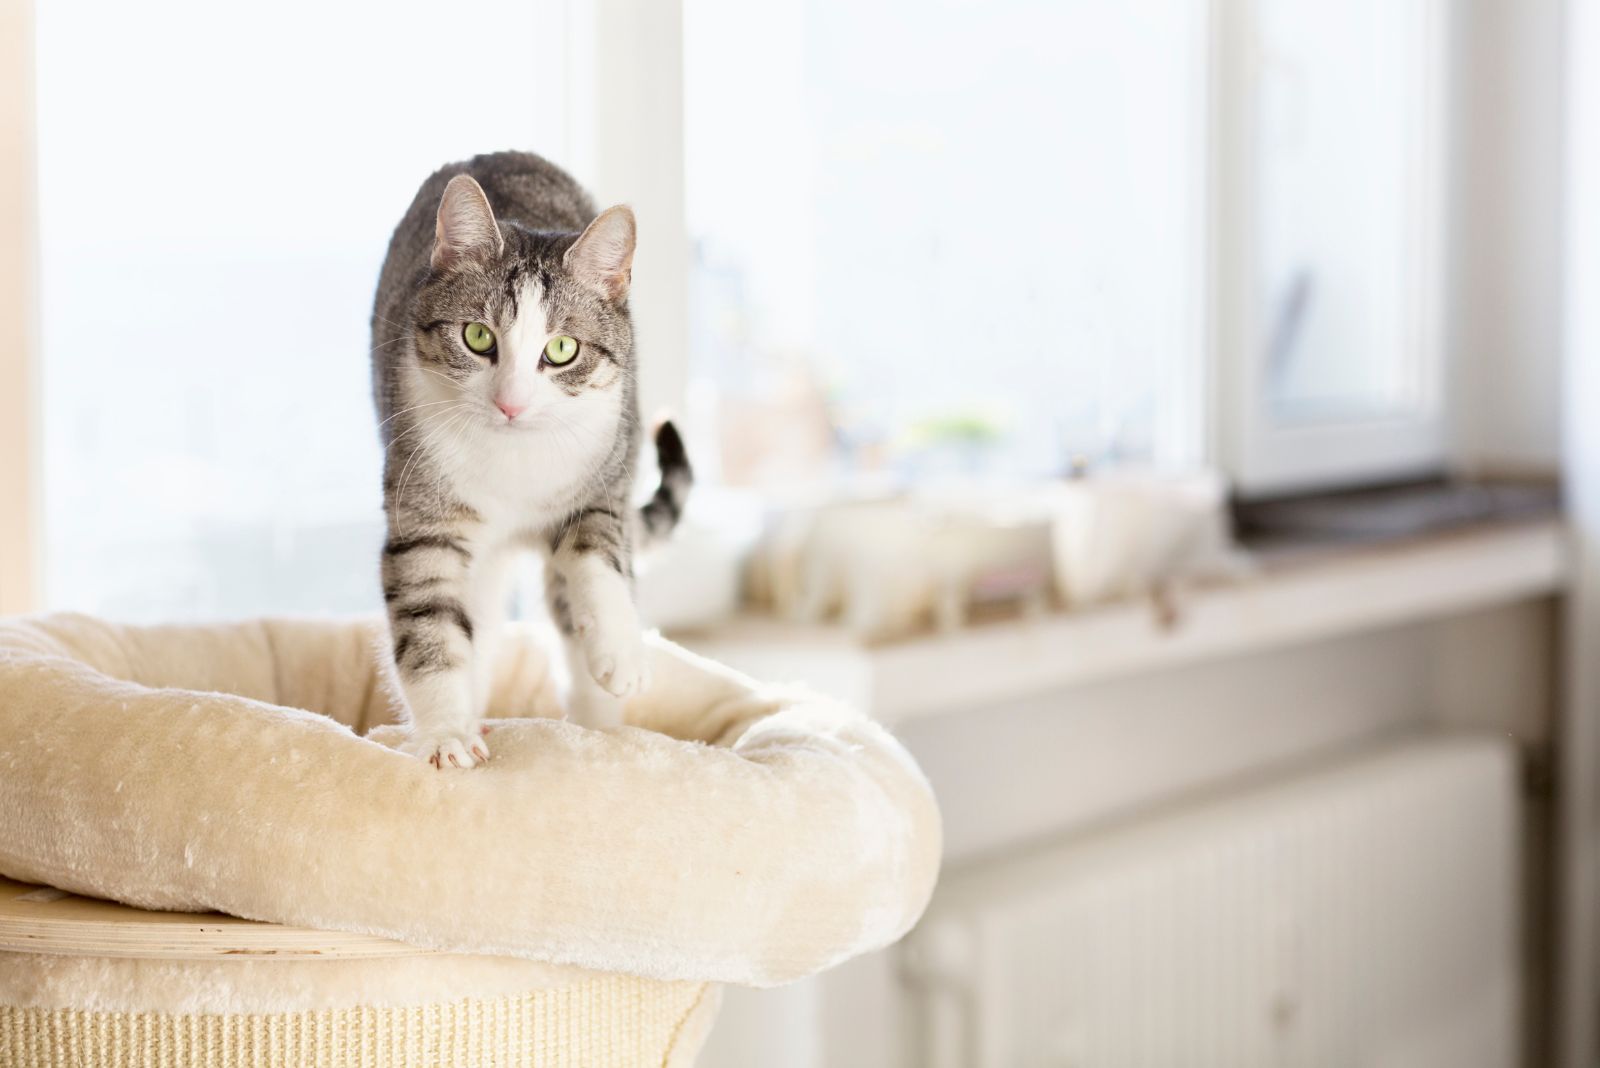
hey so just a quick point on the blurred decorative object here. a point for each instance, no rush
(783, 437)
(891, 565)
(963, 442)
(860, 561)
(885, 567)
(1128, 534)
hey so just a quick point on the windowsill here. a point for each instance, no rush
(1303, 598)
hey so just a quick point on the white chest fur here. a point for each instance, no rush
(530, 477)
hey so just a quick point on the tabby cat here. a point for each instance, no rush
(503, 369)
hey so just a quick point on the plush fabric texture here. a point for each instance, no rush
(731, 832)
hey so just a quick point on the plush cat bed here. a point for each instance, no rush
(745, 835)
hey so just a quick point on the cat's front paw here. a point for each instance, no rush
(447, 748)
(620, 665)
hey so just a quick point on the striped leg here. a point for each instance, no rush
(425, 580)
(587, 704)
(591, 592)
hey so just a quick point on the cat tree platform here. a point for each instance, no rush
(577, 901)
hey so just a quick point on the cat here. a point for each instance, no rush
(504, 378)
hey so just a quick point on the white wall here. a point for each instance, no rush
(1028, 770)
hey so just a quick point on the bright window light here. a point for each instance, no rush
(947, 236)
(215, 204)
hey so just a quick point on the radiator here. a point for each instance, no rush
(1360, 914)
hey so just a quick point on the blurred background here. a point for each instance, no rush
(1178, 420)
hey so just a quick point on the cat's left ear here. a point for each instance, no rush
(603, 253)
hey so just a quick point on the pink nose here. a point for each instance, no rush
(511, 410)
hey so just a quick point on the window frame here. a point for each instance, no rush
(633, 104)
(1264, 458)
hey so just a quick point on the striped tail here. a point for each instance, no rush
(660, 513)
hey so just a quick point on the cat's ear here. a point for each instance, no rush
(466, 225)
(603, 253)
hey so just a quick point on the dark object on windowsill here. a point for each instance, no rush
(1390, 513)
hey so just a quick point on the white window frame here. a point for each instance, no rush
(633, 109)
(1263, 456)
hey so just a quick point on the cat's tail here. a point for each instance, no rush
(661, 512)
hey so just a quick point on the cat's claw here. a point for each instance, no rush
(448, 748)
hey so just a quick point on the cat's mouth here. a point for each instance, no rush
(522, 423)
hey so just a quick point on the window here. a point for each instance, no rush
(1336, 371)
(211, 234)
(1003, 238)
(946, 237)
(931, 238)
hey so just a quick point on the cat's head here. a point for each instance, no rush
(518, 325)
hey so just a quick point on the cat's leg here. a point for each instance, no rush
(590, 585)
(588, 703)
(490, 580)
(426, 575)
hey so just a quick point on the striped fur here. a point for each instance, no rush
(491, 455)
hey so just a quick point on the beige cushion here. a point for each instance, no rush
(732, 832)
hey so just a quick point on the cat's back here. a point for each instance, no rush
(521, 187)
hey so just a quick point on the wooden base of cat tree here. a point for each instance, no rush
(112, 955)
(40, 919)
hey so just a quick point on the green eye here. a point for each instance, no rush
(479, 338)
(560, 350)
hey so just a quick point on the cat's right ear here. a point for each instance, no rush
(466, 226)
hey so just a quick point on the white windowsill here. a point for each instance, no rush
(1291, 602)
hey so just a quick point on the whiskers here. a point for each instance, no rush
(386, 344)
(434, 424)
(416, 407)
(455, 383)
(563, 458)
